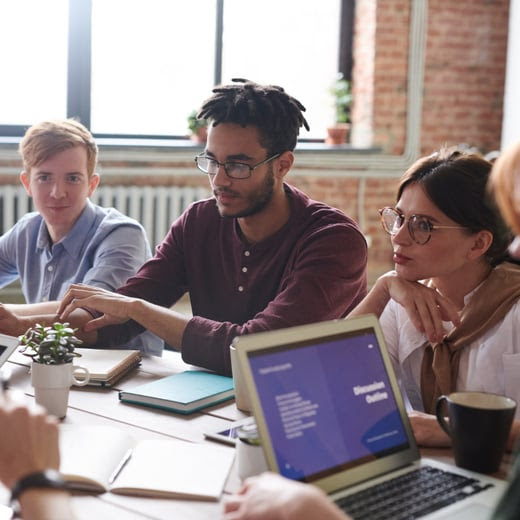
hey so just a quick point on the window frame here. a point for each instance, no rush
(80, 59)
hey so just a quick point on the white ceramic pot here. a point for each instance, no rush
(52, 384)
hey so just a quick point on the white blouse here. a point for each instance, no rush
(489, 364)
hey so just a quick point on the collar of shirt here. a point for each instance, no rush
(74, 239)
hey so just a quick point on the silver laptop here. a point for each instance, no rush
(7, 346)
(329, 412)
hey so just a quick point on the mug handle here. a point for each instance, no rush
(440, 416)
(86, 376)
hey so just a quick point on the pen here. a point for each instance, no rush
(120, 466)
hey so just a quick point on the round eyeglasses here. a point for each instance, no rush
(419, 226)
(234, 170)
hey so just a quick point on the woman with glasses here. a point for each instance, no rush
(449, 310)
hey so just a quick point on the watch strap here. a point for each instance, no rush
(40, 479)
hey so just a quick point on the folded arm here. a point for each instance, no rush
(426, 307)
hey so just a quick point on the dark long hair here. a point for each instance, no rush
(456, 181)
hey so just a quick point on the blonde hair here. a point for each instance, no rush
(505, 185)
(47, 138)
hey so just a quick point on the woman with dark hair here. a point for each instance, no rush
(449, 311)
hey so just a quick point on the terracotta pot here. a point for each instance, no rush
(338, 134)
(201, 136)
(52, 385)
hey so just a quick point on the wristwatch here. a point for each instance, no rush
(49, 478)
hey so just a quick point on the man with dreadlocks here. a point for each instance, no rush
(258, 255)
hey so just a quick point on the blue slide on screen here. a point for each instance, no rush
(327, 405)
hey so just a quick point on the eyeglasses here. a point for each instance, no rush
(234, 170)
(419, 226)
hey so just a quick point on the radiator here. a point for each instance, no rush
(155, 207)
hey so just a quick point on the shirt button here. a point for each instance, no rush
(44, 299)
(50, 268)
(247, 253)
(240, 288)
(244, 269)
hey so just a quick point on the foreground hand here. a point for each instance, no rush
(29, 441)
(427, 431)
(426, 307)
(114, 307)
(272, 497)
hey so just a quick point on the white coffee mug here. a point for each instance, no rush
(250, 459)
(241, 395)
(52, 384)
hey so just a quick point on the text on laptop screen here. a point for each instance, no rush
(327, 406)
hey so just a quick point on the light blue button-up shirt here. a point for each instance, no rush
(103, 248)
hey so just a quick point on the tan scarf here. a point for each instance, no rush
(487, 307)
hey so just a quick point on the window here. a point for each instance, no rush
(33, 39)
(152, 67)
(138, 68)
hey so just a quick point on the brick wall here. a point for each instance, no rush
(465, 72)
(391, 74)
(465, 59)
(342, 193)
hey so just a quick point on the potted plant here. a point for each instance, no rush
(52, 349)
(341, 91)
(198, 127)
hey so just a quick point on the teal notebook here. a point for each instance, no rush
(185, 392)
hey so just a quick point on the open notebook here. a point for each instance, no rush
(329, 412)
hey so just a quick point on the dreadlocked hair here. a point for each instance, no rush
(277, 116)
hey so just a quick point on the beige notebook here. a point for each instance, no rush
(103, 458)
(106, 366)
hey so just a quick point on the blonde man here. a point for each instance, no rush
(68, 239)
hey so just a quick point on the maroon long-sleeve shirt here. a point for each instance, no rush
(312, 269)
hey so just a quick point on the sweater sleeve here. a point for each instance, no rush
(324, 279)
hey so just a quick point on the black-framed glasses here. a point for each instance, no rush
(419, 226)
(234, 170)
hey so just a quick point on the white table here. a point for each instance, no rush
(94, 405)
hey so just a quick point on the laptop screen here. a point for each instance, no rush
(327, 403)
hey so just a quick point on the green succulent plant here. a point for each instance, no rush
(54, 345)
(194, 124)
(342, 98)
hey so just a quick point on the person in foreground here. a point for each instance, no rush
(67, 239)
(29, 448)
(450, 311)
(258, 255)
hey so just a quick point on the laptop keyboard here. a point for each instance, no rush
(412, 495)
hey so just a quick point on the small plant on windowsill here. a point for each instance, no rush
(52, 349)
(198, 128)
(341, 92)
